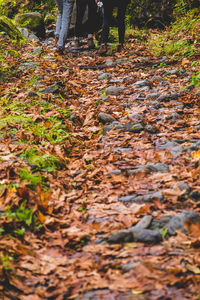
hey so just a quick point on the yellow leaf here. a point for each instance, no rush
(137, 292)
(41, 217)
(131, 245)
(54, 66)
(192, 268)
(195, 155)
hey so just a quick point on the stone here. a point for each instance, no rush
(157, 167)
(190, 87)
(178, 222)
(53, 89)
(114, 125)
(158, 78)
(173, 147)
(33, 21)
(142, 198)
(142, 83)
(114, 172)
(173, 72)
(168, 97)
(104, 76)
(147, 236)
(129, 198)
(114, 90)
(144, 223)
(105, 118)
(183, 186)
(122, 236)
(28, 66)
(121, 149)
(151, 129)
(155, 104)
(7, 26)
(109, 62)
(129, 266)
(32, 94)
(153, 96)
(133, 127)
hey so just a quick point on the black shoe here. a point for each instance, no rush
(91, 44)
(59, 51)
(103, 49)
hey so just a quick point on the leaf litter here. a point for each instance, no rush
(62, 178)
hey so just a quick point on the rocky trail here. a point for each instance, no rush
(100, 172)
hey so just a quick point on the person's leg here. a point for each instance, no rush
(121, 21)
(92, 13)
(66, 17)
(80, 10)
(108, 9)
(59, 17)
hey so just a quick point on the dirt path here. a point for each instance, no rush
(125, 133)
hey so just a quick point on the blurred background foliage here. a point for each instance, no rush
(141, 13)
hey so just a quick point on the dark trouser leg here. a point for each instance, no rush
(108, 9)
(80, 10)
(121, 21)
(92, 9)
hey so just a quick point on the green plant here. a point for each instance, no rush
(195, 80)
(5, 261)
(33, 179)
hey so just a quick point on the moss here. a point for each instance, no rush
(33, 21)
(9, 28)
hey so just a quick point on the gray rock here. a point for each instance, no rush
(109, 62)
(141, 235)
(115, 125)
(133, 127)
(190, 87)
(53, 89)
(129, 198)
(155, 104)
(133, 116)
(105, 118)
(122, 236)
(117, 80)
(153, 96)
(157, 167)
(144, 223)
(147, 236)
(164, 59)
(114, 172)
(151, 129)
(177, 222)
(173, 116)
(33, 21)
(32, 94)
(183, 186)
(121, 149)
(158, 78)
(173, 147)
(28, 65)
(173, 72)
(168, 97)
(142, 83)
(104, 76)
(144, 88)
(161, 224)
(114, 90)
(142, 198)
(33, 37)
(129, 266)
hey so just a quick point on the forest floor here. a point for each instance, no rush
(89, 146)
